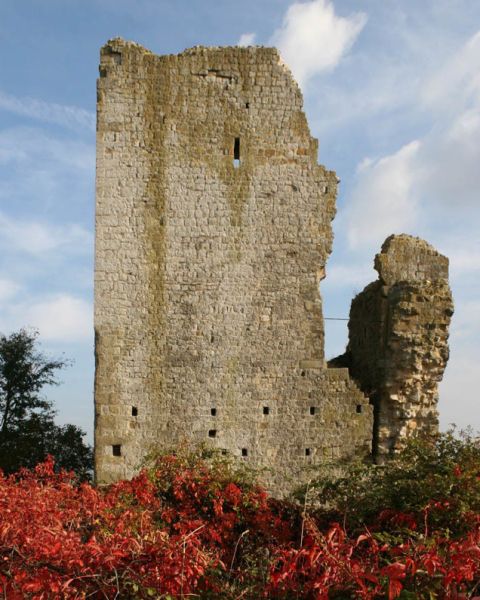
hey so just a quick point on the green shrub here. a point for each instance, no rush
(432, 483)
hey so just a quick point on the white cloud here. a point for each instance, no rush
(246, 39)
(313, 38)
(464, 258)
(71, 117)
(29, 147)
(352, 275)
(430, 185)
(8, 289)
(458, 77)
(382, 201)
(61, 317)
(39, 238)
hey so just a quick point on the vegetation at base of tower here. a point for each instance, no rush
(28, 432)
(194, 525)
(444, 469)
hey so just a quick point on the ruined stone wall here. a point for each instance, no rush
(212, 233)
(398, 334)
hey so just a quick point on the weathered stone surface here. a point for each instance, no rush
(213, 226)
(398, 334)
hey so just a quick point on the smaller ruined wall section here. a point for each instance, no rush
(398, 340)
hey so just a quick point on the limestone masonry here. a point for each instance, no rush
(213, 227)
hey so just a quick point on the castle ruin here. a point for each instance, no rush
(213, 227)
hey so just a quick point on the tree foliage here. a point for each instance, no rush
(28, 432)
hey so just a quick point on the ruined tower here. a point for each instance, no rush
(213, 226)
(398, 340)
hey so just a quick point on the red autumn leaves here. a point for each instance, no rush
(190, 526)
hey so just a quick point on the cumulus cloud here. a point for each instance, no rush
(355, 275)
(8, 289)
(458, 78)
(313, 38)
(382, 201)
(38, 238)
(28, 147)
(61, 318)
(71, 117)
(58, 318)
(246, 39)
(429, 184)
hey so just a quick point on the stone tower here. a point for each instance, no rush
(213, 227)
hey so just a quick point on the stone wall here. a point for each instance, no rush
(213, 226)
(398, 334)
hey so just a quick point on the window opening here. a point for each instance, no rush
(134, 411)
(313, 410)
(359, 408)
(117, 450)
(307, 451)
(213, 412)
(266, 410)
(236, 153)
(244, 452)
(212, 433)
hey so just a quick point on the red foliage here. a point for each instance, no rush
(185, 529)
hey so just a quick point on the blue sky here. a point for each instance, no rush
(392, 91)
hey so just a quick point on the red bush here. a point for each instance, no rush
(191, 527)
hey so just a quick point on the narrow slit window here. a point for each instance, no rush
(212, 433)
(213, 412)
(134, 411)
(244, 452)
(236, 152)
(307, 452)
(313, 410)
(266, 410)
(117, 450)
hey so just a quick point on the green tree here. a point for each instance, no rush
(28, 431)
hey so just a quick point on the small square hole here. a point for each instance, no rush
(212, 433)
(266, 410)
(313, 410)
(244, 452)
(359, 408)
(307, 451)
(134, 411)
(213, 412)
(117, 450)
